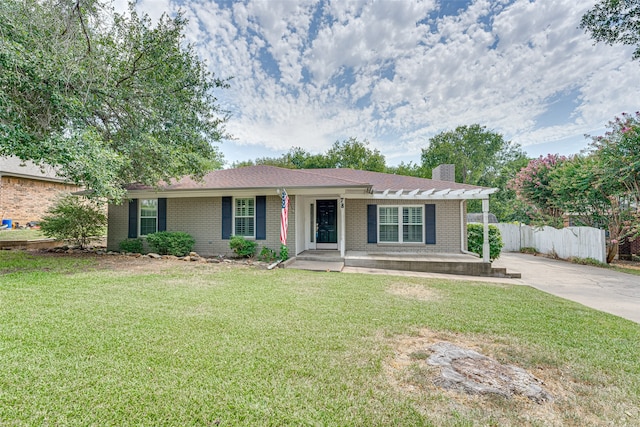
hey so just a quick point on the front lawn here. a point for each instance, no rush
(186, 344)
(22, 234)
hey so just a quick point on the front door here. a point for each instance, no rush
(327, 224)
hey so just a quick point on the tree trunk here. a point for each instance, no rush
(612, 251)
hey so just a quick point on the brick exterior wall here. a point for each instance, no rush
(202, 218)
(23, 200)
(118, 225)
(447, 227)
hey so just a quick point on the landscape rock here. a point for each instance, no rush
(154, 255)
(473, 373)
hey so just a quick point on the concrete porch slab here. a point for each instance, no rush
(433, 263)
(454, 264)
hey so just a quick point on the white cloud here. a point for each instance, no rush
(390, 72)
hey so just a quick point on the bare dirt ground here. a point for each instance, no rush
(633, 265)
(142, 263)
(409, 372)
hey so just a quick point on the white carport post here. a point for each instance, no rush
(485, 234)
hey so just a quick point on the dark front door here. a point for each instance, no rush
(327, 221)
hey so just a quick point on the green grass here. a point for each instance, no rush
(621, 269)
(206, 345)
(26, 234)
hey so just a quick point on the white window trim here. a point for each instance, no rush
(140, 218)
(233, 219)
(400, 225)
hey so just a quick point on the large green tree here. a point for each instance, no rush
(619, 150)
(350, 153)
(600, 188)
(481, 157)
(614, 21)
(618, 154)
(477, 153)
(533, 186)
(106, 98)
(355, 154)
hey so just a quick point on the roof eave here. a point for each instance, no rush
(231, 191)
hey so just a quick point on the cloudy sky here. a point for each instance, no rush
(397, 72)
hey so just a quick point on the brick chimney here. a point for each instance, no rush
(444, 173)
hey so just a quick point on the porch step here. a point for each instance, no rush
(502, 272)
(320, 256)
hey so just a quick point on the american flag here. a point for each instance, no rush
(284, 217)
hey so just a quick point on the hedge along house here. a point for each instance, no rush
(329, 209)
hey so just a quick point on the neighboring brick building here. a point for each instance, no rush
(27, 191)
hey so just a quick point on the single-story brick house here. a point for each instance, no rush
(27, 191)
(339, 209)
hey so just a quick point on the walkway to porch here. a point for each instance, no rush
(461, 264)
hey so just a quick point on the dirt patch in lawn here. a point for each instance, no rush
(410, 290)
(409, 372)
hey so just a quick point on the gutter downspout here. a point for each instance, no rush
(463, 235)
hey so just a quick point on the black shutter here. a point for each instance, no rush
(430, 224)
(227, 216)
(162, 214)
(372, 223)
(133, 218)
(261, 217)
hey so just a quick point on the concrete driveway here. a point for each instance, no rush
(599, 288)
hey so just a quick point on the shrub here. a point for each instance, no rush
(175, 243)
(242, 247)
(132, 245)
(475, 237)
(588, 261)
(529, 250)
(267, 255)
(76, 219)
(284, 253)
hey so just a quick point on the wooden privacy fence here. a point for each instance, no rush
(576, 242)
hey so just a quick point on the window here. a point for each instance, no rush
(148, 216)
(412, 224)
(388, 224)
(244, 217)
(394, 219)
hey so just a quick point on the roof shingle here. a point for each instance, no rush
(263, 176)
